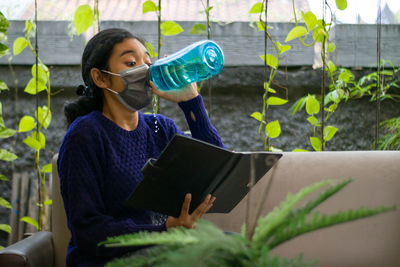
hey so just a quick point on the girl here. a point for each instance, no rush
(108, 142)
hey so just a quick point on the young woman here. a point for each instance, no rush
(108, 142)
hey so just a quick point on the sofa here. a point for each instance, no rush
(372, 241)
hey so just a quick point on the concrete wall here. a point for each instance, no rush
(242, 45)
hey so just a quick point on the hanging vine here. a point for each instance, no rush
(164, 28)
(268, 129)
(40, 82)
(5, 132)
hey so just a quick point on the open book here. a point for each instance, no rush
(189, 165)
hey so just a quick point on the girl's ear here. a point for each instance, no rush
(98, 78)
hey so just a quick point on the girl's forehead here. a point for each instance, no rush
(132, 45)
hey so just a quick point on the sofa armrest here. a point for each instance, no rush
(34, 251)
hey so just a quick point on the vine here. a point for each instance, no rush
(319, 30)
(5, 155)
(165, 28)
(39, 82)
(268, 129)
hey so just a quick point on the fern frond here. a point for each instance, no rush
(298, 226)
(302, 212)
(310, 205)
(178, 235)
(212, 248)
(275, 218)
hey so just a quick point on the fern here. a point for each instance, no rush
(301, 213)
(178, 235)
(206, 245)
(268, 223)
(298, 226)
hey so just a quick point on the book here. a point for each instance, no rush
(188, 165)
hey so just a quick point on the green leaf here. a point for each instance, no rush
(257, 115)
(346, 76)
(6, 133)
(271, 60)
(1, 116)
(312, 105)
(312, 120)
(83, 18)
(149, 6)
(31, 87)
(26, 124)
(48, 202)
(28, 26)
(5, 203)
(330, 66)
(19, 44)
(3, 49)
(207, 11)
(3, 178)
(310, 19)
(337, 95)
(319, 34)
(331, 47)
(5, 228)
(47, 168)
(329, 132)
(316, 143)
(150, 49)
(40, 138)
(7, 155)
(198, 28)
(273, 129)
(296, 32)
(341, 4)
(283, 48)
(4, 23)
(257, 8)
(42, 73)
(31, 221)
(43, 115)
(276, 101)
(169, 28)
(269, 89)
(299, 150)
(33, 143)
(3, 86)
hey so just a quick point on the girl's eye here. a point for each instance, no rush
(131, 64)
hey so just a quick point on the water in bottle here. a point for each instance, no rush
(194, 63)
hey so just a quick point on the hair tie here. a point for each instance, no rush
(84, 90)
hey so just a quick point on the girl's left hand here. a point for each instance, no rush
(177, 95)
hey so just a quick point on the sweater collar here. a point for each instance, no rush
(109, 124)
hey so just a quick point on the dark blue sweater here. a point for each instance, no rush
(99, 165)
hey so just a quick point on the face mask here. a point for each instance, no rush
(137, 92)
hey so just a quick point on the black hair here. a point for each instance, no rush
(96, 55)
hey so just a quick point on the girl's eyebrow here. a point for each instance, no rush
(127, 52)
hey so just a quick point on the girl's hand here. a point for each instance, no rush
(189, 220)
(177, 95)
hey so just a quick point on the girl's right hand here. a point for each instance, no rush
(189, 220)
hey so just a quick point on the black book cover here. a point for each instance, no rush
(188, 165)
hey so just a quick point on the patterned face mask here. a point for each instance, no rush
(137, 91)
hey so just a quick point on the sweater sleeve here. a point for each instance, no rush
(199, 123)
(82, 182)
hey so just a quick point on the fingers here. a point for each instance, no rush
(186, 205)
(204, 207)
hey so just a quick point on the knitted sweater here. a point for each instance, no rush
(99, 165)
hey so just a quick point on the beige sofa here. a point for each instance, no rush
(367, 242)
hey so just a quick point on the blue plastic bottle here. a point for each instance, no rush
(194, 63)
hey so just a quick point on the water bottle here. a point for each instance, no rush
(194, 63)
